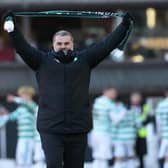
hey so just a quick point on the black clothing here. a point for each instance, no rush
(64, 58)
(141, 150)
(128, 19)
(64, 117)
(69, 148)
(141, 146)
(63, 88)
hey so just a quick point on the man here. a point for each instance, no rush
(124, 141)
(38, 154)
(25, 117)
(143, 112)
(117, 115)
(162, 128)
(63, 77)
(100, 140)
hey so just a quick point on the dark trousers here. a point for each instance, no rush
(141, 161)
(64, 150)
(161, 163)
(141, 150)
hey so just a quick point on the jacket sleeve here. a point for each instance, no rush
(31, 56)
(95, 54)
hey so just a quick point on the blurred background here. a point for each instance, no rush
(142, 68)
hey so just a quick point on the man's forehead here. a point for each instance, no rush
(63, 38)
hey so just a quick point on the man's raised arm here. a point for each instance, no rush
(31, 56)
(95, 54)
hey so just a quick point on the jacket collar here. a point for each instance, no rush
(60, 56)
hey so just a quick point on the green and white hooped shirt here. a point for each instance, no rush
(101, 115)
(162, 118)
(25, 118)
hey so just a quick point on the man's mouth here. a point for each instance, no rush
(65, 52)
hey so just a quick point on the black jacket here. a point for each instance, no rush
(63, 88)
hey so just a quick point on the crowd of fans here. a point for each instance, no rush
(118, 137)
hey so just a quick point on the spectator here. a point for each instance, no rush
(162, 128)
(100, 136)
(142, 111)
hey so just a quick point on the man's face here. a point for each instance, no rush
(113, 94)
(26, 97)
(63, 43)
(136, 99)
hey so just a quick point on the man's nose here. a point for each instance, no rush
(63, 46)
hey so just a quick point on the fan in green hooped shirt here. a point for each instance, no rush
(24, 115)
(38, 154)
(25, 112)
(100, 137)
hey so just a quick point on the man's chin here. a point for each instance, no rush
(65, 52)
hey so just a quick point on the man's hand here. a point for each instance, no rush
(117, 55)
(9, 21)
(128, 19)
(10, 98)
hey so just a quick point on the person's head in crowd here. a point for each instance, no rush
(111, 93)
(136, 98)
(26, 92)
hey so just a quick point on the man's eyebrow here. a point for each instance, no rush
(66, 43)
(59, 42)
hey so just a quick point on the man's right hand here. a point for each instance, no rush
(9, 21)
